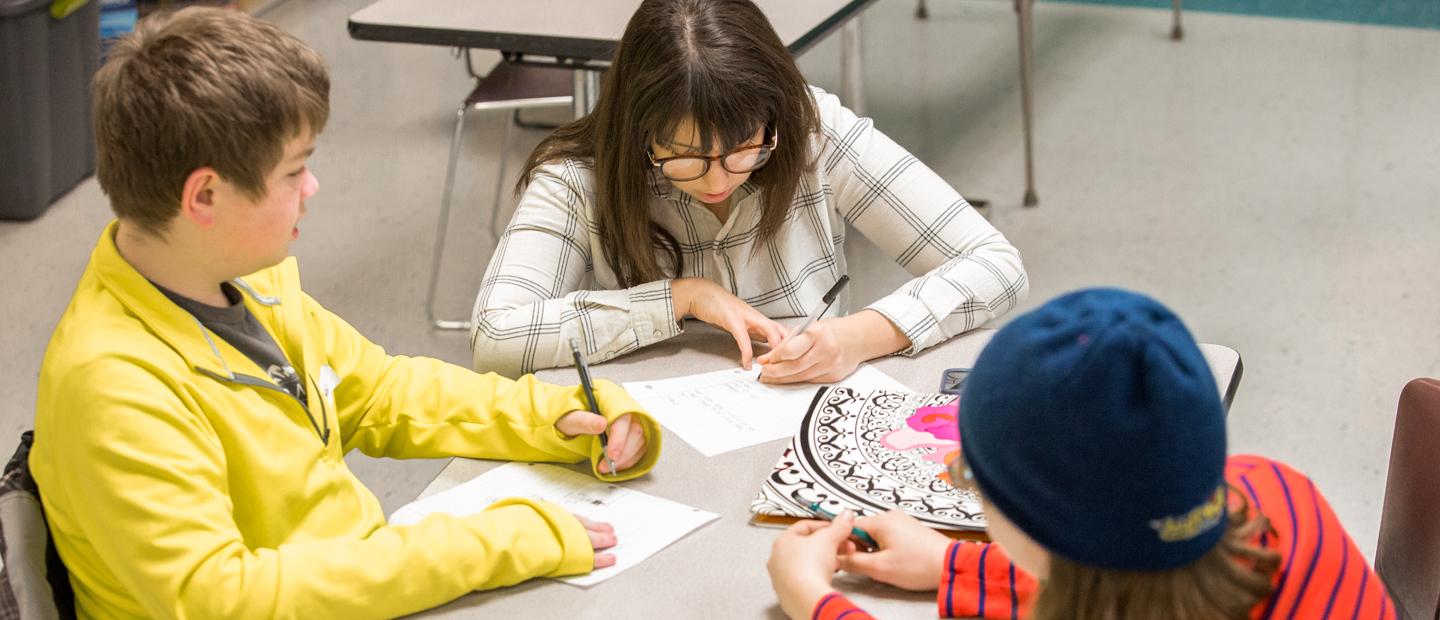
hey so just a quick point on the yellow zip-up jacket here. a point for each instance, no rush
(181, 483)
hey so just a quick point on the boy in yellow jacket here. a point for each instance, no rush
(195, 405)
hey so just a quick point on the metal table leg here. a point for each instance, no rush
(851, 72)
(1176, 32)
(1025, 9)
(587, 91)
(440, 228)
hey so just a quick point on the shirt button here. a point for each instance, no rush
(659, 333)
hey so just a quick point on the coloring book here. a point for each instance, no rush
(872, 451)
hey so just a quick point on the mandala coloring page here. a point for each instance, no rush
(871, 452)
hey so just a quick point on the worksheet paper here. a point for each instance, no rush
(726, 410)
(644, 524)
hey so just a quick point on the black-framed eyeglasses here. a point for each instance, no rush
(736, 161)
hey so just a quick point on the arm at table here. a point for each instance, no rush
(965, 271)
(415, 407)
(144, 497)
(531, 304)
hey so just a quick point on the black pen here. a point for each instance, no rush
(825, 303)
(584, 370)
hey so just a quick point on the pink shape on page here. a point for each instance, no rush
(932, 427)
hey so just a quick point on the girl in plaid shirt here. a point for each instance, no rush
(711, 182)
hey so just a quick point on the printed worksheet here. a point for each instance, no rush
(644, 524)
(726, 410)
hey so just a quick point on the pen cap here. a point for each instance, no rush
(834, 291)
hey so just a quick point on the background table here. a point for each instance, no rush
(584, 34)
(718, 570)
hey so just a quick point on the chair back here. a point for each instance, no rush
(1408, 555)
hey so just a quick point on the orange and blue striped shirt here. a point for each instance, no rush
(1322, 573)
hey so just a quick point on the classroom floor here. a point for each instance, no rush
(1275, 181)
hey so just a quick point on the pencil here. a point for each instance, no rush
(584, 369)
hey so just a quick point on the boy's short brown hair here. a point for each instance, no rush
(194, 88)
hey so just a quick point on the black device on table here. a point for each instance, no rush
(952, 380)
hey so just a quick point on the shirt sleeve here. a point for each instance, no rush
(979, 580)
(416, 407)
(148, 491)
(531, 302)
(835, 606)
(965, 272)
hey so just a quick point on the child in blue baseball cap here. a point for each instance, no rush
(1094, 432)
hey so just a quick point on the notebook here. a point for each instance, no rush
(872, 451)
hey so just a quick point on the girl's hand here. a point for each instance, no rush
(707, 301)
(911, 556)
(830, 349)
(803, 560)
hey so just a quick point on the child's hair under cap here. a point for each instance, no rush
(1094, 424)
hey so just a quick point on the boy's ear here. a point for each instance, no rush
(197, 198)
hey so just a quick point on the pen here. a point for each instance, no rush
(825, 303)
(856, 532)
(584, 370)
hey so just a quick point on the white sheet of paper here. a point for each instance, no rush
(644, 524)
(716, 412)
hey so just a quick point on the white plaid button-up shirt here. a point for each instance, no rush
(548, 280)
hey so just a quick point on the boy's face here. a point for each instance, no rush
(257, 234)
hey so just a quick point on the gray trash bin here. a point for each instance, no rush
(46, 146)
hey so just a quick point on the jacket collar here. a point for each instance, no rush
(170, 323)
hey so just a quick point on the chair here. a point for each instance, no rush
(509, 86)
(35, 583)
(1407, 558)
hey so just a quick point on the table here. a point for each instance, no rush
(719, 570)
(528, 31)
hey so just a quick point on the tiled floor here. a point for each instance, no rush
(1275, 181)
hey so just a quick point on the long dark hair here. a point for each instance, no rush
(718, 62)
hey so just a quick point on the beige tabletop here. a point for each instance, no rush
(718, 571)
(585, 30)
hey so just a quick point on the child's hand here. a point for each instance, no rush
(627, 439)
(911, 556)
(803, 561)
(602, 536)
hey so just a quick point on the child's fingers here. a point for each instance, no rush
(619, 435)
(862, 563)
(633, 449)
(604, 560)
(839, 529)
(601, 540)
(578, 423)
(805, 528)
(595, 526)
